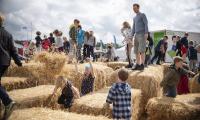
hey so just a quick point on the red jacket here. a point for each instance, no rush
(46, 44)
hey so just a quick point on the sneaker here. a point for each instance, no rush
(141, 67)
(8, 110)
(136, 67)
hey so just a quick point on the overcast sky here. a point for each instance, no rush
(105, 17)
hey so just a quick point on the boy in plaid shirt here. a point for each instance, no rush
(120, 96)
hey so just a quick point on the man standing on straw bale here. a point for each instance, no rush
(120, 96)
(172, 77)
(140, 31)
(73, 39)
(7, 50)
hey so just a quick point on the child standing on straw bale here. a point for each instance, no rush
(87, 85)
(171, 79)
(120, 96)
(68, 94)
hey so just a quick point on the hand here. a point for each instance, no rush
(192, 73)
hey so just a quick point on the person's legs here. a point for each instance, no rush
(92, 52)
(88, 51)
(160, 56)
(3, 94)
(79, 52)
(141, 49)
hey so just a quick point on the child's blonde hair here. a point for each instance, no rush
(126, 25)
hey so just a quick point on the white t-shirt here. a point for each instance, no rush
(59, 42)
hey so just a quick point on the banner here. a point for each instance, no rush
(158, 36)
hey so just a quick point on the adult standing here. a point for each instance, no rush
(128, 39)
(38, 41)
(7, 50)
(73, 39)
(86, 46)
(140, 31)
(80, 38)
(92, 44)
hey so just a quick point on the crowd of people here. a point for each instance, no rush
(81, 45)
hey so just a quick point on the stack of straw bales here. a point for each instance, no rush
(102, 74)
(48, 114)
(184, 107)
(53, 62)
(11, 83)
(148, 81)
(113, 65)
(92, 104)
(33, 97)
(195, 85)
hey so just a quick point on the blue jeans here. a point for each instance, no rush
(171, 91)
(3, 94)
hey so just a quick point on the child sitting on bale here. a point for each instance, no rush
(87, 85)
(68, 94)
(120, 96)
(172, 77)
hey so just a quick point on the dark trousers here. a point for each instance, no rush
(87, 51)
(158, 55)
(91, 52)
(179, 53)
(3, 94)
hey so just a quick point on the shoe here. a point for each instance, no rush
(8, 110)
(129, 66)
(141, 67)
(136, 67)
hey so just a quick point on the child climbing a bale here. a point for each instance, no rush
(87, 85)
(120, 96)
(68, 94)
(172, 77)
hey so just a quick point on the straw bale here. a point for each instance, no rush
(48, 114)
(92, 104)
(194, 84)
(113, 65)
(11, 83)
(25, 71)
(53, 62)
(33, 97)
(102, 74)
(184, 107)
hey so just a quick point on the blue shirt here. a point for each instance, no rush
(120, 96)
(80, 36)
(140, 24)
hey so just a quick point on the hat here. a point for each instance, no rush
(177, 59)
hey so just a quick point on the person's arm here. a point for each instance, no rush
(75, 92)
(94, 41)
(13, 52)
(122, 32)
(110, 97)
(144, 18)
(92, 69)
(133, 28)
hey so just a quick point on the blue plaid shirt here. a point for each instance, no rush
(120, 96)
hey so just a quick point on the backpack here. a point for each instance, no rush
(66, 98)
